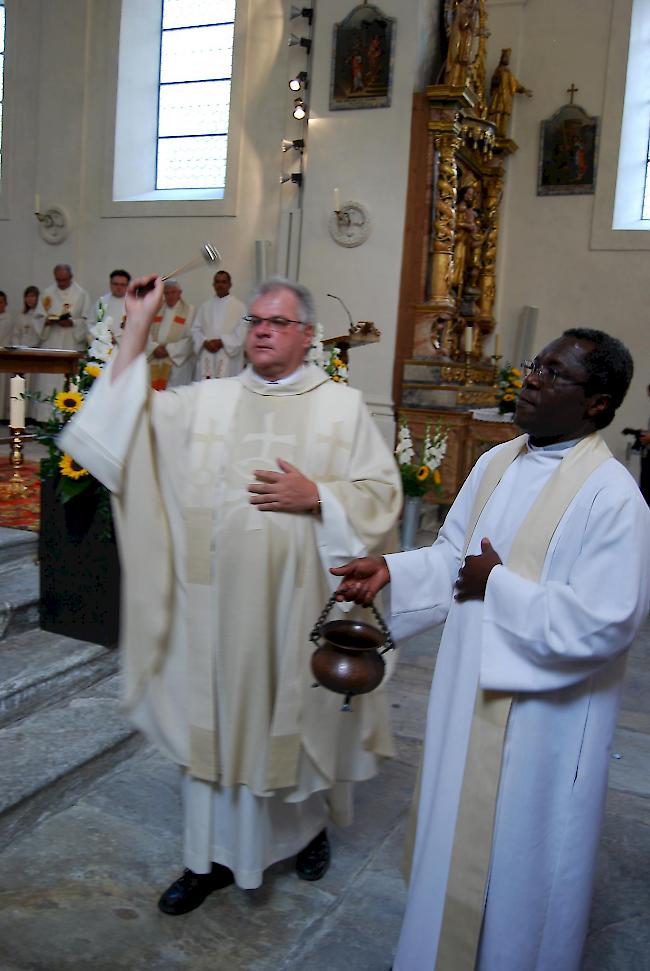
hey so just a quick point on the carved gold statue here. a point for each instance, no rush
(467, 231)
(461, 42)
(503, 88)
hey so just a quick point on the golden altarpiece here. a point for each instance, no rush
(459, 152)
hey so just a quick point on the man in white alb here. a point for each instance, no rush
(61, 320)
(541, 574)
(170, 351)
(110, 306)
(233, 498)
(219, 332)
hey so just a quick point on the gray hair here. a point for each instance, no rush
(63, 266)
(306, 305)
(171, 282)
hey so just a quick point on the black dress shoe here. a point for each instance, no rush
(190, 890)
(313, 862)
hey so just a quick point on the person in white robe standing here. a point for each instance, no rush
(170, 350)
(110, 306)
(233, 498)
(541, 574)
(62, 317)
(27, 329)
(219, 332)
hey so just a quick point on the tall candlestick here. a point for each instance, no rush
(16, 403)
(469, 335)
(496, 345)
(37, 203)
(337, 200)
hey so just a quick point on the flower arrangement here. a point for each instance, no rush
(71, 478)
(417, 477)
(509, 385)
(330, 361)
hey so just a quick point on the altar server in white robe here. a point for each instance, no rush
(110, 306)
(233, 498)
(219, 332)
(541, 573)
(63, 314)
(170, 350)
(27, 330)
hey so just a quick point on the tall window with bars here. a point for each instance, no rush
(196, 54)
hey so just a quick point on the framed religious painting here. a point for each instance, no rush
(568, 148)
(362, 59)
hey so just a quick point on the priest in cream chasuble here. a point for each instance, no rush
(541, 574)
(233, 498)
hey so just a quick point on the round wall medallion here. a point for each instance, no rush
(54, 225)
(351, 225)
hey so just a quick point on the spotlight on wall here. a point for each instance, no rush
(302, 41)
(297, 143)
(299, 81)
(306, 12)
(299, 109)
(295, 177)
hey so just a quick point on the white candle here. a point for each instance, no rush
(469, 334)
(16, 403)
(337, 200)
(37, 203)
(73, 385)
(496, 345)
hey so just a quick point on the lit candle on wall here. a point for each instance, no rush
(37, 203)
(337, 200)
(16, 403)
(496, 345)
(469, 334)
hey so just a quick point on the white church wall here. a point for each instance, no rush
(546, 259)
(61, 135)
(365, 154)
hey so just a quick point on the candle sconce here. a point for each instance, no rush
(350, 224)
(54, 224)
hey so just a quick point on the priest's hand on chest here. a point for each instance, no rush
(473, 574)
(285, 491)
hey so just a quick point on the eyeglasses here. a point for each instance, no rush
(278, 324)
(547, 375)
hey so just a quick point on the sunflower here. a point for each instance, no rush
(515, 372)
(508, 396)
(516, 384)
(93, 370)
(437, 478)
(422, 473)
(69, 468)
(69, 401)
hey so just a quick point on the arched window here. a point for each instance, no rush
(175, 135)
(622, 205)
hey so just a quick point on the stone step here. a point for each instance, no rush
(19, 596)
(17, 547)
(39, 669)
(48, 759)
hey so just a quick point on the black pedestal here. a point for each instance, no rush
(79, 568)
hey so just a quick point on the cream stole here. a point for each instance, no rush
(468, 874)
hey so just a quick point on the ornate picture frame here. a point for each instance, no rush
(362, 59)
(568, 151)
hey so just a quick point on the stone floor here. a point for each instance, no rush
(79, 889)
